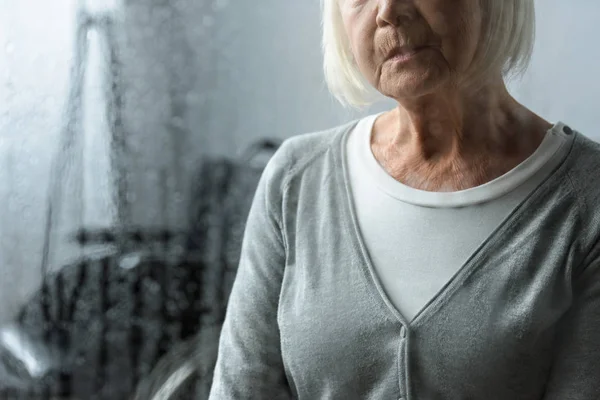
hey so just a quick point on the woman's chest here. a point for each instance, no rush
(494, 320)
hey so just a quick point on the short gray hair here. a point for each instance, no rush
(508, 38)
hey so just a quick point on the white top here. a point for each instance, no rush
(418, 240)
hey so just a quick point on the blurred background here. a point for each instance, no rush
(132, 134)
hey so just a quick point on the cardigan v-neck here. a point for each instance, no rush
(416, 241)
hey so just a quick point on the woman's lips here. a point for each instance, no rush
(405, 53)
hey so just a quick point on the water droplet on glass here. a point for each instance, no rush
(10, 48)
(130, 261)
(220, 4)
(207, 21)
(178, 122)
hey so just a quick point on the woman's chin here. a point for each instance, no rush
(410, 85)
(413, 90)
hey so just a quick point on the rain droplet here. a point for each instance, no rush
(220, 4)
(130, 261)
(207, 21)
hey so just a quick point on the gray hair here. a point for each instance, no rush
(508, 38)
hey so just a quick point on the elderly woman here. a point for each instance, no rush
(446, 249)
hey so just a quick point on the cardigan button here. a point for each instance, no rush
(567, 130)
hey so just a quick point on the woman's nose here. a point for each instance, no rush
(395, 12)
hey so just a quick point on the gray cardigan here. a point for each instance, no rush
(307, 317)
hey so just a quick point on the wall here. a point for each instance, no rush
(562, 82)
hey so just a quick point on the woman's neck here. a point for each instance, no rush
(456, 139)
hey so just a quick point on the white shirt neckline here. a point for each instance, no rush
(554, 140)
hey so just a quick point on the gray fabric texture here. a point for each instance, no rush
(308, 319)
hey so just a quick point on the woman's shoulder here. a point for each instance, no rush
(300, 151)
(582, 169)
